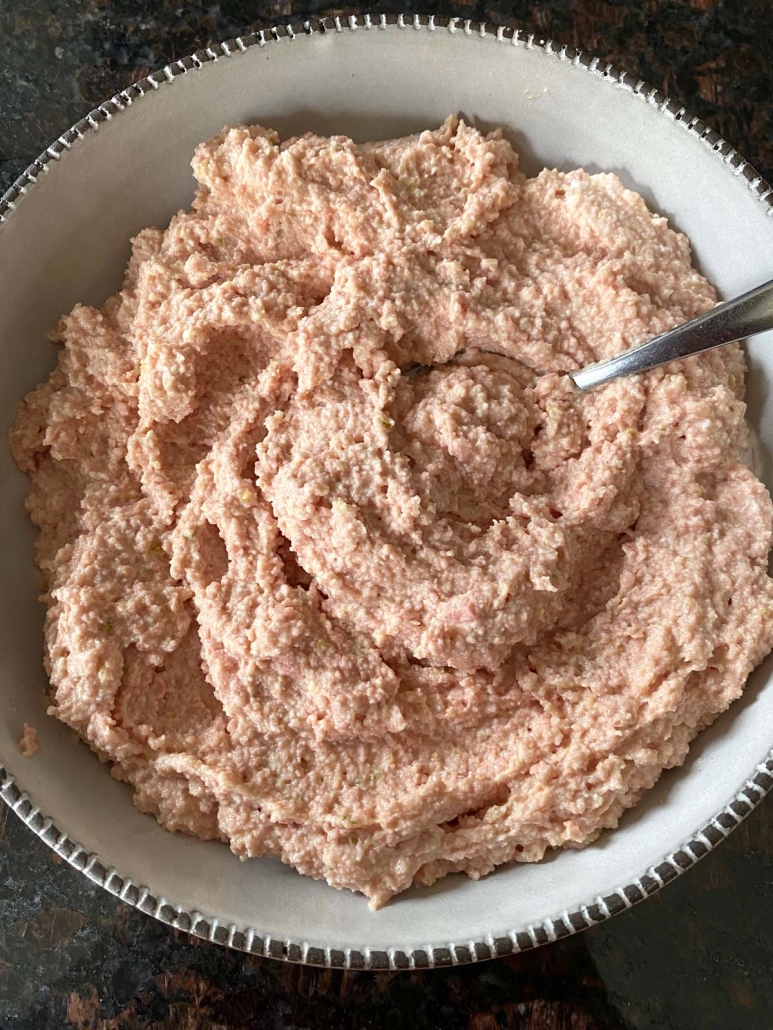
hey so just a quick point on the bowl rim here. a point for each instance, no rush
(252, 939)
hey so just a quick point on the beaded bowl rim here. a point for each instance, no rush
(250, 939)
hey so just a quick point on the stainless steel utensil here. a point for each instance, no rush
(735, 319)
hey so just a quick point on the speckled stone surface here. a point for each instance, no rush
(698, 956)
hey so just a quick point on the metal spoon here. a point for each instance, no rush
(735, 319)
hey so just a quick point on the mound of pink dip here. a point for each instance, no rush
(389, 624)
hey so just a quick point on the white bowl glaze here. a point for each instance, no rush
(126, 166)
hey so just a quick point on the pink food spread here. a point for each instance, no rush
(339, 565)
(28, 743)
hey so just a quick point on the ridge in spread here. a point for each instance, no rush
(389, 624)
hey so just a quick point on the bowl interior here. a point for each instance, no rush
(68, 242)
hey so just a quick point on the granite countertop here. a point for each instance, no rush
(699, 955)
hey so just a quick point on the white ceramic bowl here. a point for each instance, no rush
(127, 166)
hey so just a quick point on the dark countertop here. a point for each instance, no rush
(698, 956)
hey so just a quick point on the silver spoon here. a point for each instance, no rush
(735, 319)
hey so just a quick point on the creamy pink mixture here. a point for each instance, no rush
(28, 744)
(385, 623)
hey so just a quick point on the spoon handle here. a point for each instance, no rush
(746, 315)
